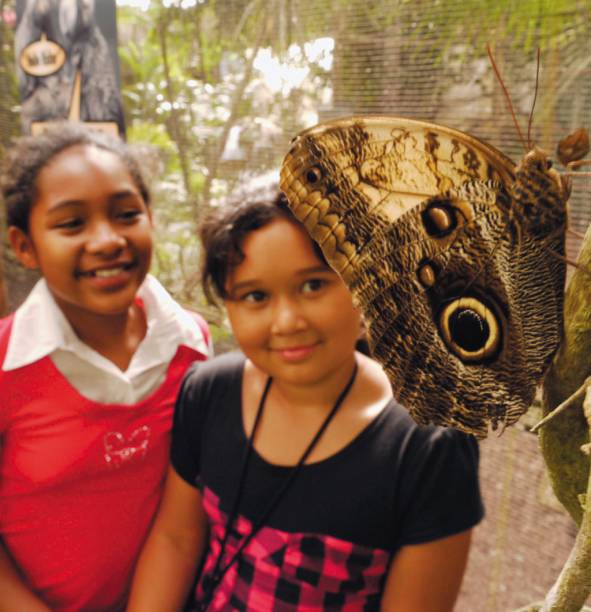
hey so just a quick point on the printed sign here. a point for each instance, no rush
(67, 65)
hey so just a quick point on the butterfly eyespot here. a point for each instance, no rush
(470, 329)
(439, 219)
(427, 275)
(313, 175)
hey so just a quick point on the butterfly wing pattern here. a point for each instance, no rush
(451, 251)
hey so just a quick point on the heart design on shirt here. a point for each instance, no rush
(120, 449)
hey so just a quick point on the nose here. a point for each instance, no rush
(104, 239)
(287, 316)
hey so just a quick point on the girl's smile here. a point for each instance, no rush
(111, 278)
(291, 314)
(108, 271)
(296, 353)
(90, 233)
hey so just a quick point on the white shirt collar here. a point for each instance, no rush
(40, 328)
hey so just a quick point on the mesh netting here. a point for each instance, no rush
(214, 93)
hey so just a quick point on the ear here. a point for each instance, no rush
(23, 248)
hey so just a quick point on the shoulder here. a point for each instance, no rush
(428, 440)
(416, 449)
(221, 367)
(5, 331)
(6, 324)
(210, 388)
(214, 376)
(433, 439)
(8, 383)
(438, 483)
(434, 458)
(399, 432)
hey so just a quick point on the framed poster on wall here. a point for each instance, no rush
(67, 63)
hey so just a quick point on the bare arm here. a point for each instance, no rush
(427, 576)
(169, 558)
(16, 596)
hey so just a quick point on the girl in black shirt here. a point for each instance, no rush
(297, 482)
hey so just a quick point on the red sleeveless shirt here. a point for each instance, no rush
(80, 481)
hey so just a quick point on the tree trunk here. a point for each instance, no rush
(562, 438)
(565, 439)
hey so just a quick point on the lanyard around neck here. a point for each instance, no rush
(220, 571)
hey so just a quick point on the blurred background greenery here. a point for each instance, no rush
(213, 90)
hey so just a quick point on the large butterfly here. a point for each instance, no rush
(453, 253)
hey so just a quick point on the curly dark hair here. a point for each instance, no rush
(222, 234)
(31, 154)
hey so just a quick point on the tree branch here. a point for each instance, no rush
(562, 438)
(565, 439)
(237, 100)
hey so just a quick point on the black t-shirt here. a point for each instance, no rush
(330, 539)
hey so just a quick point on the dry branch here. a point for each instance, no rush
(565, 439)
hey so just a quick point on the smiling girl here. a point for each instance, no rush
(90, 366)
(297, 482)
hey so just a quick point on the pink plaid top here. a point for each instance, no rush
(291, 571)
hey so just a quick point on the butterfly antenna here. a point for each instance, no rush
(569, 262)
(573, 165)
(576, 234)
(531, 113)
(507, 96)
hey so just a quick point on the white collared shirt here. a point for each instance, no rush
(40, 329)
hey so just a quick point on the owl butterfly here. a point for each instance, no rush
(452, 252)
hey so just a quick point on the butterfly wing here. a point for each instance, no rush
(462, 302)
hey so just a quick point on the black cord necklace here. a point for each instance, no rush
(220, 571)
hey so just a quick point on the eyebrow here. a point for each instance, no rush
(116, 197)
(316, 270)
(255, 282)
(124, 195)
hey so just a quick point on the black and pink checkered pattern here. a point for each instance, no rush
(282, 571)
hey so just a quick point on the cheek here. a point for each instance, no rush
(148, 248)
(249, 328)
(349, 326)
(341, 314)
(143, 237)
(346, 326)
(54, 256)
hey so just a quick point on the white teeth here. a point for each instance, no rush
(108, 273)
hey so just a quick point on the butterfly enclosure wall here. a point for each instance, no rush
(213, 92)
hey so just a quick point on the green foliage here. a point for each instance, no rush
(192, 93)
(209, 120)
(187, 80)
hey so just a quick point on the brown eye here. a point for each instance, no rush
(313, 175)
(471, 330)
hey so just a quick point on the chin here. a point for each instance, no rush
(304, 376)
(111, 309)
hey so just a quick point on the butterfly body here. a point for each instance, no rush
(445, 245)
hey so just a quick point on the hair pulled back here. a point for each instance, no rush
(31, 154)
